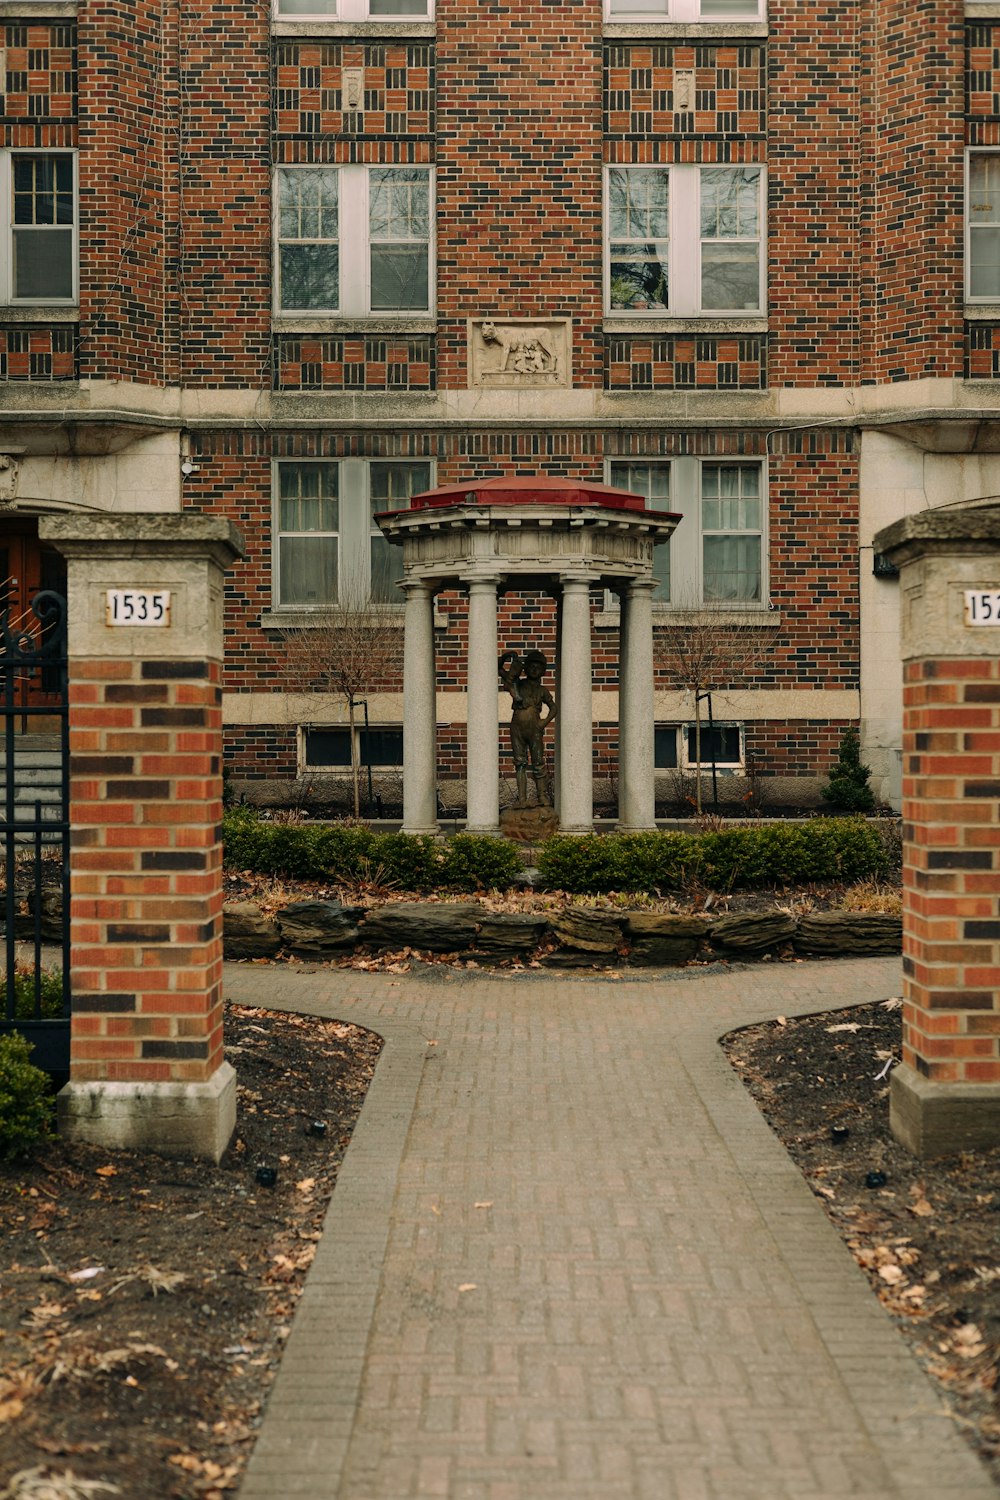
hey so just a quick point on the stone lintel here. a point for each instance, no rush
(150, 534)
(939, 1119)
(173, 1119)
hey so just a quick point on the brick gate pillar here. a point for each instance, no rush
(145, 596)
(945, 1095)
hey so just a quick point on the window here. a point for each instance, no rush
(665, 747)
(331, 747)
(353, 240)
(716, 555)
(40, 245)
(721, 745)
(983, 226)
(329, 550)
(685, 10)
(685, 240)
(353, 10)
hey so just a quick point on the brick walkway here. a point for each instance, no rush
(567, 1259)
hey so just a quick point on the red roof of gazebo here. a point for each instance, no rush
(528, 489)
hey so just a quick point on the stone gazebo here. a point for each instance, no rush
(560, 536)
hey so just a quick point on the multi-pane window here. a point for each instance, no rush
(331, 746)
(685, 745)
(731, 532)
(685, 240)
(353, 240)
(716, 554)
(652, 481)
(983, 226)
(40, 243)
(356, 10)
(685, 10)
(330, 552)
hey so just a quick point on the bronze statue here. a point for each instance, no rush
(527, 726)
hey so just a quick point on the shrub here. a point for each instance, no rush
(765, 854)
(848, 785)
(52, 1002)
(25, 1099)
(477, 862)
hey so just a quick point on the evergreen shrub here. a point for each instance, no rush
(848, 786)
(26, 1103)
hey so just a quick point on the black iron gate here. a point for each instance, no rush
(35, 998)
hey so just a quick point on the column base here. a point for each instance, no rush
(483, 829)
(635, 827)
(431, 830)
(938, 1119)
(173, 1119)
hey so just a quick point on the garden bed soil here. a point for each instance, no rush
(144, 1303)
(928, 1236)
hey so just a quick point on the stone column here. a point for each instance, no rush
(575, 706)
(482, 768)
(419, 711)
(945, 1095)
(145, 725)
(636, 776)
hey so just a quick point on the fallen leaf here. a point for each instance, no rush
(467, 1286)
(890, 1274)
(106, 1171)
(847, 1026)
(306, 1185)
(11, 1409)
(486, 1203)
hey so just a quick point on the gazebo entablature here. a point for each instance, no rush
(535, 538)
(528, 546)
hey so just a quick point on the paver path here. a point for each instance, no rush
(567, 1258)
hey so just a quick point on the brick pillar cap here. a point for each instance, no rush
(190, 533)
(951, 529)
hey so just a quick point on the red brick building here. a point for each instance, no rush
(292, 266)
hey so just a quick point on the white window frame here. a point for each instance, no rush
(684, 10)
(687, 553)
(970, 295)
(351, 10)
(7, 297)
(354, 248)
(355, 529)
(684, 253)
(725, 767)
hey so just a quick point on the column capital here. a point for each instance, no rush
(427, 586)
(629, 586)
(488, 581)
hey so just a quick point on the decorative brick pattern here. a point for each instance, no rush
(315, 121)
(638, 363)
(354, 364)
(982, 351)
(38, 101)
(951, 882)
(725, 117)
(146, 885)
(982, 83)
(519, 188)
(29, 353)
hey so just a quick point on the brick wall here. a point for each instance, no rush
(519, 174)
(951, 942)
(146, 886)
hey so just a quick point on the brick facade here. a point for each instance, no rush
(859, 118)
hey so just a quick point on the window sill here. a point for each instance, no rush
(307, 619)
(39, 312)
(982, 10)
(668, 614)
(324, 323)
(32, 10)
(630, 322)
(405, 26)
(982, 312)
(688, 30)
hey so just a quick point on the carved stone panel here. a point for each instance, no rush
(519, 353)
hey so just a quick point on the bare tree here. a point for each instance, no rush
(706, 650)
(346, 652)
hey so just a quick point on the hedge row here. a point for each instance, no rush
(766, 854)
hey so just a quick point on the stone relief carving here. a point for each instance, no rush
(519, 353)
(10, 473)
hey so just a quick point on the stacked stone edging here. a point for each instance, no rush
(574, 936)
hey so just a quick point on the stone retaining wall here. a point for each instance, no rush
(574, 937)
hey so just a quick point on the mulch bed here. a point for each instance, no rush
(926, 1234)
(144, 1302)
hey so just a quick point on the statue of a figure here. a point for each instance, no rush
(527, 726)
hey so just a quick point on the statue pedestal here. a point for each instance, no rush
(528, 825)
